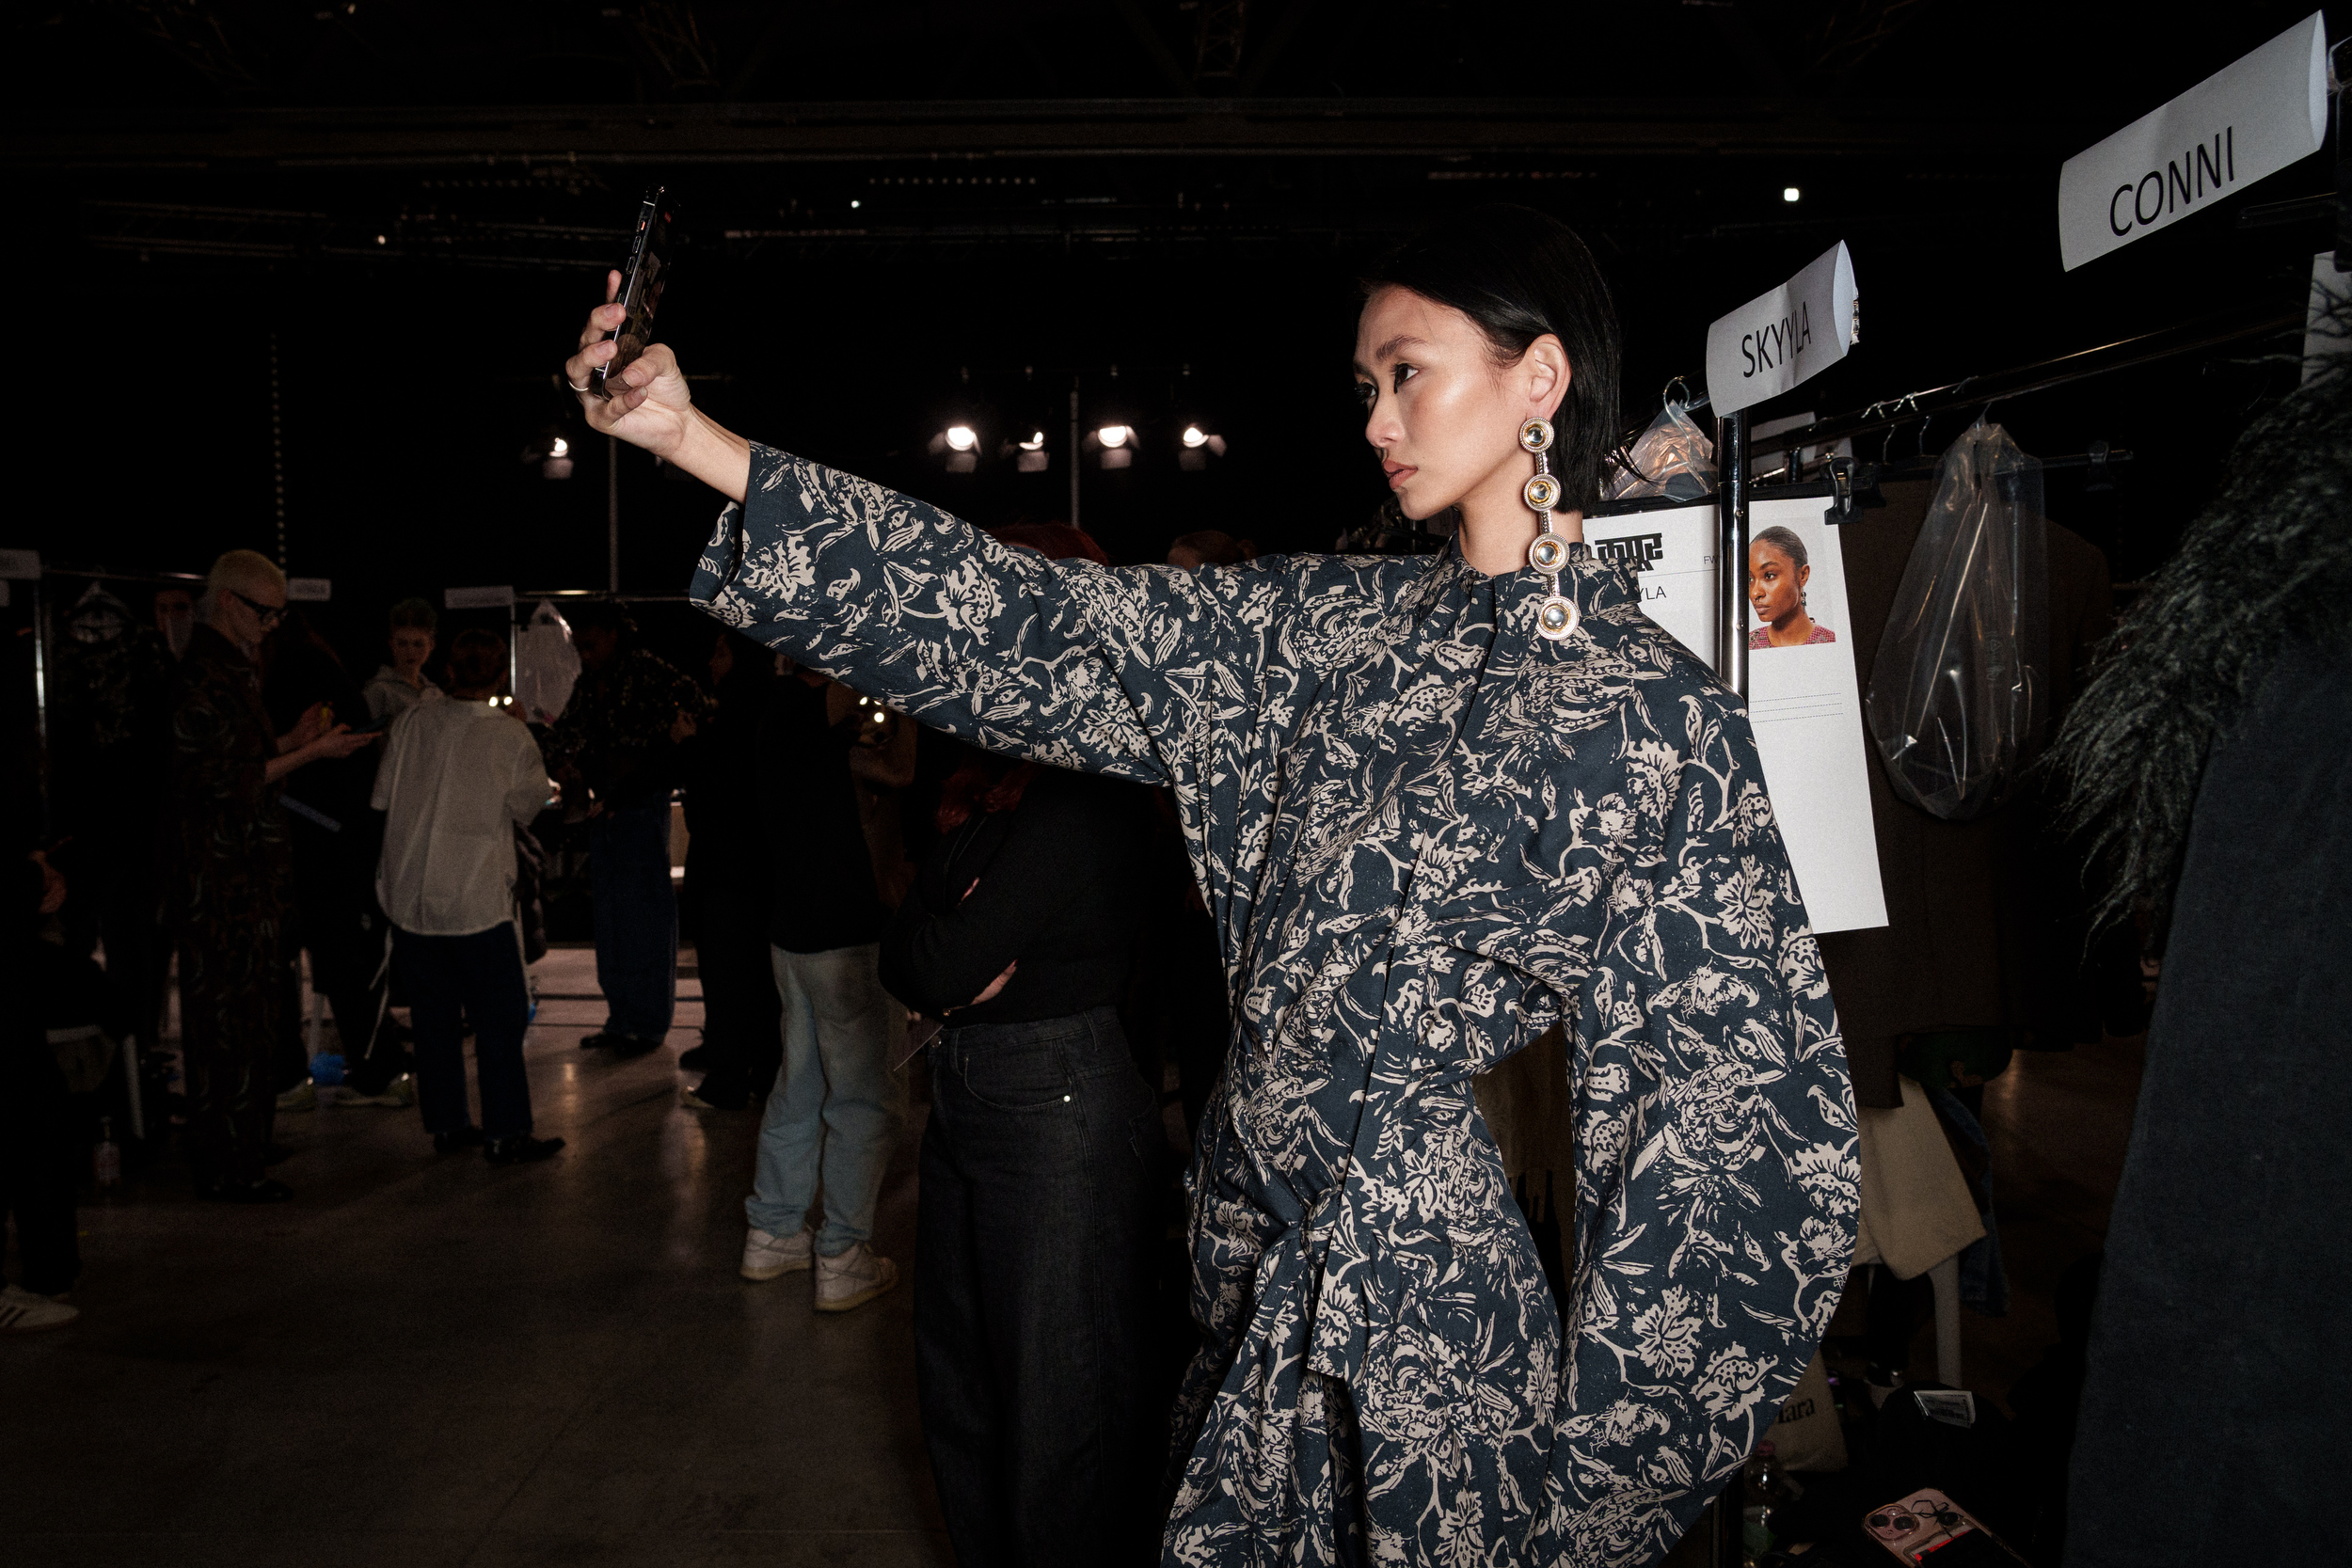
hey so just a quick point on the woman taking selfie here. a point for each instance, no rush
(1436, 805)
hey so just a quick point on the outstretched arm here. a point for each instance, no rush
(1114, 672)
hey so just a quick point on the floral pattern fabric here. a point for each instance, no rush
(1426, 834)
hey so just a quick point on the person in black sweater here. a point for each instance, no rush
(1040, 1166)
(729, 887)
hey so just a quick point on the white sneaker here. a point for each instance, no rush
(853, 1280)
(302, 1097)
(767, 1257)
(22, 1312)
(399, 1094)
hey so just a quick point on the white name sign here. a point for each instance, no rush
(1779, 339)
(478, 598)
(2238, 125)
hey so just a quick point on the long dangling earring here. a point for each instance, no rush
(1556, 618)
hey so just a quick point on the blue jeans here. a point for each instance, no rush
(834, 1111)
(452, 981)
(1033, 1352)
(629, 877)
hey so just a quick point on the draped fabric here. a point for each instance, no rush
(1425, 835)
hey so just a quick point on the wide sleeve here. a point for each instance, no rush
(1717, 1183)
(1100, 670)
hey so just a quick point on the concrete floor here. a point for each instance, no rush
(423, 1361)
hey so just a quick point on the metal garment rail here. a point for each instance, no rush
(1976, 391)
(1734, 448)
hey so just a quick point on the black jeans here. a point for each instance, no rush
(452, 981)
(1033, 1293)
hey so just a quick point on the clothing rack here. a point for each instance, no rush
(1982, 391)
(1734, 446)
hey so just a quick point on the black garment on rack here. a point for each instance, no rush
(1983, 923)
(2216, 1374)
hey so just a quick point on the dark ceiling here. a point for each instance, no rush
(388, 216)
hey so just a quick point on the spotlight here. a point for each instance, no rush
(561, 448)
(1113, 435)
(962, 438)
(1790, 193)
(1194, 435)
(1035, 443)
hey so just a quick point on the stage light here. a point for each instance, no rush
(963, 437)
(855, 205)
(1790, 193)
(1113, 435)
(559, 448)
(1194, 435)
(1035, 443)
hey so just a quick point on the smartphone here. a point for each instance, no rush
(1928, 1528)
(641, 282)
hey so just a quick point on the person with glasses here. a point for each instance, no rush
(231, 877)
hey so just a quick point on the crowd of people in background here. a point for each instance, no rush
(226, 801)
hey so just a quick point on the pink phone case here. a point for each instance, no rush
(1917, 1527)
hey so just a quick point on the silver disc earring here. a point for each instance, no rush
(1556, 618)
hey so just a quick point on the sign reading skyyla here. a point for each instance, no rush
(1779, 339)
(2237, 126)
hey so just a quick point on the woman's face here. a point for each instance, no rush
(1444, 416)
(1775, 583)
(411, 647)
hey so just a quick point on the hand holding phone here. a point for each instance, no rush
(641, 282)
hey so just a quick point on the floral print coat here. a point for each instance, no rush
(1426, 834)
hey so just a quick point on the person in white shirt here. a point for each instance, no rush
(456, 777)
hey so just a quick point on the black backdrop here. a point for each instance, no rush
(412, 376)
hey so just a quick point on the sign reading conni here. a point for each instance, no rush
(1780, 338)
(2238, 125)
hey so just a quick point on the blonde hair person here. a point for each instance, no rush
(232, 895)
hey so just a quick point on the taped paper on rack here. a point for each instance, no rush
(2325, 315)
(2243, 123)
(1805, 704)
(1672, 555)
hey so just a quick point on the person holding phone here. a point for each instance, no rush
(1437, 805)
(233, 887)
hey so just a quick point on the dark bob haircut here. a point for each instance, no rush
(1519, 274)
